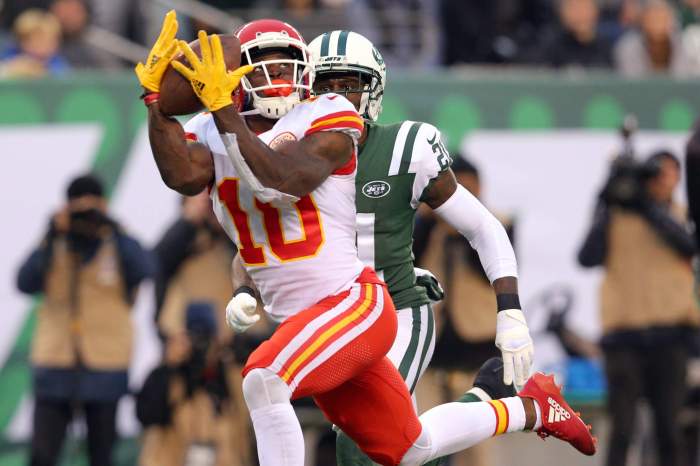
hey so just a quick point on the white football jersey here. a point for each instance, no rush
(298, 254)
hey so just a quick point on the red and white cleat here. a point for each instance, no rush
(558, 419)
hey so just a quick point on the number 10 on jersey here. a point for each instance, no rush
(253, 254)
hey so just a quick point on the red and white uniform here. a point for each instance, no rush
(299, 254)
(338, 320)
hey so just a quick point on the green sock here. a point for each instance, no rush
(469, 397)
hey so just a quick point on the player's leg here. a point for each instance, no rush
(375, 409)
(415, 343)
(311, 352)
(488, 386)
(410, 353)
(539, 406)
(393, 435)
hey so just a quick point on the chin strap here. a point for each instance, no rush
(275, 107)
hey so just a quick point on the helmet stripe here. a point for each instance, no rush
(325, 44)
(343, 42)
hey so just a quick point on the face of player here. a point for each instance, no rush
(281, 71)
(348, 85)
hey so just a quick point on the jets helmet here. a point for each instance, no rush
(340, 52)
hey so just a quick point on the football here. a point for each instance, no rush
(176, 94)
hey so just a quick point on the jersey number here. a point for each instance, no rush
(443, 157)
(252, 253)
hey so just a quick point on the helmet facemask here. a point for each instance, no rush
(275, 97)
(370, 87)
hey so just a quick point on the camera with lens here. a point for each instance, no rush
(626, 184)
(203, 368)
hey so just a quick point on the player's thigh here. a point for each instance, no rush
(328, 343)
(415, 342)
(375, 409)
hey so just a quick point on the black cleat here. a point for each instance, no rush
(490, 379)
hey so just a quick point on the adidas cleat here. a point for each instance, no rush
(558, 419)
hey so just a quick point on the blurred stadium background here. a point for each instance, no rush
(521, 87)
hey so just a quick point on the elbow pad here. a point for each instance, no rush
(262, 193)
(484, 232)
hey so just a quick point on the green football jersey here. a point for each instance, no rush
(395, 165)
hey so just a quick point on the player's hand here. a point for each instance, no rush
(162, 53)
(210, 80)
(240, 312)
(427, 280)
(513, 339)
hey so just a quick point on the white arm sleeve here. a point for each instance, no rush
(262, 193)
(484, 232)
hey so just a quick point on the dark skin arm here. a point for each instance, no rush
(439, 191)
(298, 168)
(239, 275)
(185, 167)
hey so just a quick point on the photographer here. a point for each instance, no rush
(186, 405)
(88, 270)
(648, 314)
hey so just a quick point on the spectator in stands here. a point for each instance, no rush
(187, 405)
(88, 270)
(497, 31)
(11, 9)
(468, 31)
(35, 52)
(656, 47)
(575, 41)
(74, 16)
(194, 266)
(648, 313)
(464, 318)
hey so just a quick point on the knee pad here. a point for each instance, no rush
(262, 387)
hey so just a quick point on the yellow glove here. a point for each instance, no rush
(161, 54)
(210, 80)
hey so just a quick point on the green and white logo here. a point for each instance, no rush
(376, 189)
(377, 56)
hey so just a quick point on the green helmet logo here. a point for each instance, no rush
(377, 57)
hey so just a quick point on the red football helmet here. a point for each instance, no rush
(276, 97)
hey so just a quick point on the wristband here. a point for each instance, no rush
(150, 98)
(507, 301)
(244, 289)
